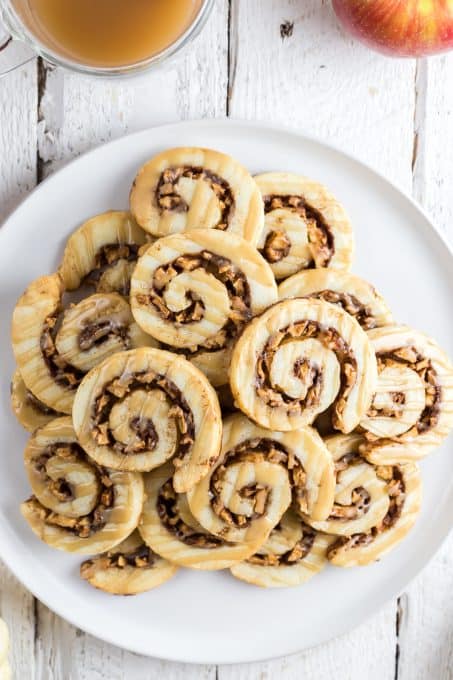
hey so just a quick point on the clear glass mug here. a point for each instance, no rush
(18, 44)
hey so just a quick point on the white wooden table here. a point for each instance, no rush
(284, 61)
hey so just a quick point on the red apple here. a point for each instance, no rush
(405, 28)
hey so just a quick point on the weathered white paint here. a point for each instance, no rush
(318, 80)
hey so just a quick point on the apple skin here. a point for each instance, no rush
(400, 28)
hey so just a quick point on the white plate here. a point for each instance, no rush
(211, 617)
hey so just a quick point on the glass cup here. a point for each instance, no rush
(19, 45)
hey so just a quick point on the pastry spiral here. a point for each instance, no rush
(191, 188)
(29, 411)
(96, 328)
(128, 569)
(412, 409)
(103, 253)
(293, 553)
(169, 528)
(77, 505)
(357, 297)
(361, 495)
(196, 291)
(46, 375)
(299, 358)
(305, 226)
(403, 487)
(258, 475)
(140, 408)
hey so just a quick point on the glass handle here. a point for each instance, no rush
(13, 53)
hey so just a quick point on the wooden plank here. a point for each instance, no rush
(426, 610)
(77, 114)
(313, 77)
(18, 105)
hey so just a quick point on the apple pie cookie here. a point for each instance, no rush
(192, 188)
(299, 358)
(257, 476)
(293, 554)
(357, 297)
(128, 569)
(77, 505)
(403, 487)
(29, 411)
(170, 529)
(140, 408)
(412, 409)
(305, 226)
(196, 291)
(103, 252)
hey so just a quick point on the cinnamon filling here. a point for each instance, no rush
(167, 507)
(352, 305)
(141, 558)
(409, 356)
(276, 247)
(98, 332)
(169, 199)
(117, 390)
(63, 373)
(291, 557)
(85, 526)
(311, 375)
(319, 234)
(397, 495)
(360, 498)
(223, 270)
(108, 256)
(257, 450)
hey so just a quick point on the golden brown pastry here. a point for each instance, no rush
(403, 487)
(46, 375)
(196, 291)
(412, 409)
(299, 358)
(355, 295)
(140, 408)
(103, 252)
(293, 553)
(96, 328)
(128, 569)
(169, 528)
(192, 188)
(77, 505)
(362, 497)
(256, 478)
(29, 411)
(305, 226)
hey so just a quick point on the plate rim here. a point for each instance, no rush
(354, 620)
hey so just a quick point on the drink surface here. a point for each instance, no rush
(107, 32)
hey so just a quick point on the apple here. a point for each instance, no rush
(404, 28)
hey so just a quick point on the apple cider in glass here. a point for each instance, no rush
(107, 33)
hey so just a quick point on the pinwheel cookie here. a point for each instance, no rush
(192, 188)
(29, 411)
(305, 226)
(196, 291)
(77, 505)
(128, 569)
(140, 408)
(357, 297)
(403, 488)
(103, 252)
(170, 529)
(54, 349)
(299, 358)
(256, 478)
(412, 409)
(293, 553)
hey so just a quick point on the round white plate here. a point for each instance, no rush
(211, 617)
